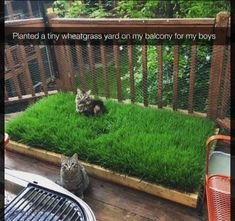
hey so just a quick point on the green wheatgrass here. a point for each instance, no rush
(155, 145)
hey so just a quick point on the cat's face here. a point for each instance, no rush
(82, 95)
(69, 165)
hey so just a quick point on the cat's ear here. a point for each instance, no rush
(78, 91)
(75, 156)
(63, 158)
(88, 92)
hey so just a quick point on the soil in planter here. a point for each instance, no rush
(159, 146)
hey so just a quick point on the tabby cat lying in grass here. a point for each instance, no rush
(87, 105)
(73, 176)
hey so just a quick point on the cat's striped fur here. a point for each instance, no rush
(88, 106)
(73, 175)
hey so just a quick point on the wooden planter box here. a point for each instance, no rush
(188, 199)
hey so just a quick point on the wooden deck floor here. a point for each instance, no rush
(111, 202)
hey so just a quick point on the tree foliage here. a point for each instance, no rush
(140, 8)
(170, 9)
(78, 8)
(199, 9)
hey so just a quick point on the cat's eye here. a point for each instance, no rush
(64, 166)
(72, 164)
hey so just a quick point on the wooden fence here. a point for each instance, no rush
(218, 95)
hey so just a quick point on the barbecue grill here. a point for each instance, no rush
(40, 199)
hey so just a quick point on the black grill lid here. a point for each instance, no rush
(36, 203)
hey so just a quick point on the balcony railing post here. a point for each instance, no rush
(222, 21)
(145, 72)
(175, 75)
(159, 74)
(192, 77)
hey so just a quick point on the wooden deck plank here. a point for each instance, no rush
(139, 203)
(108, 212)
(110, 202)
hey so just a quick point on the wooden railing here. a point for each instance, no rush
(218, 94)
(19, 66)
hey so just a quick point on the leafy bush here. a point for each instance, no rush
(65, 8)
(100, 13)
(171, 9)
(73, 9)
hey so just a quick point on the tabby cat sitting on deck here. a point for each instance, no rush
(87, 105)
(73, 176)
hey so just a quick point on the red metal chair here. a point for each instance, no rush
(218, 192)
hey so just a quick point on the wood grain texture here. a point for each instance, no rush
(13, 71)
(144, 72)
(131, 70)
(29, 6)
(63, 76)
(111, 25)
(66, 70)
(26, 72)
(175, 76)
(92, 67)
(9, 7)
(41, 68)
(222, 20)
(226, 86)
(111, 202)
(70, 68)
(81, 67)
(104, 69)
(189, 199)
(192, 77)
(159, 75)
(116, 54)
(5, 93)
